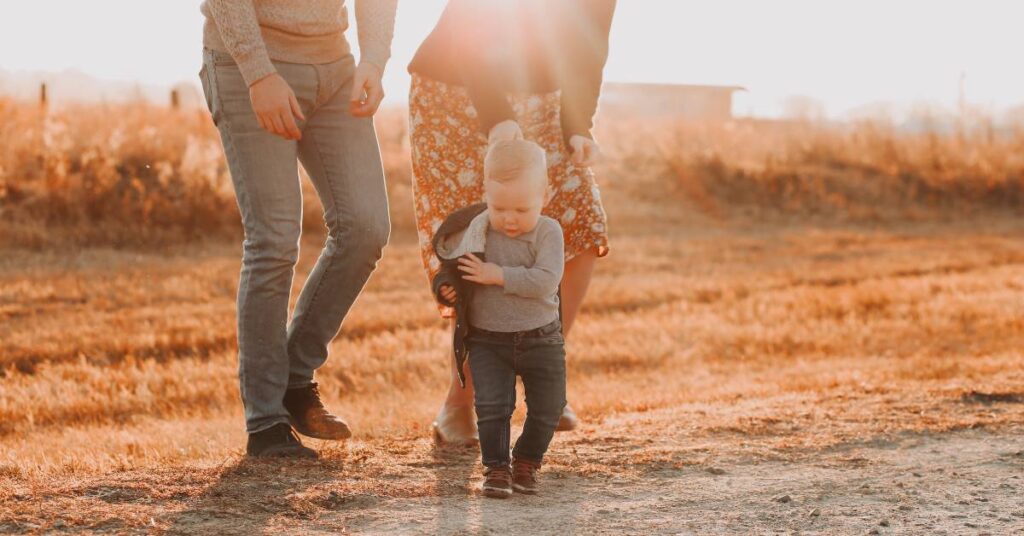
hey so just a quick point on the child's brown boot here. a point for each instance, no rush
(524, 476)
(498, 482)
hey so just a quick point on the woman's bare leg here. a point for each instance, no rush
(575, 282)
(456, 421)
(458, 396)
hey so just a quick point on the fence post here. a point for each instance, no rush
(43, 99)
(175, 101)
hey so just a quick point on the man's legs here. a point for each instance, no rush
(341, 155)
(264, 171)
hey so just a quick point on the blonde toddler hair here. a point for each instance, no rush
(515, 159)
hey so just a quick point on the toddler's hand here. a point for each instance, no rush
(478, 271)
(448, 293)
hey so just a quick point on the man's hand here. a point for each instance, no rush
(506, 130)
(276, 106)
(478, 271)
(367, 90)
(585, 151)
(448, 293)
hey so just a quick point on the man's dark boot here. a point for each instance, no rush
(309, 416)
(278, 441)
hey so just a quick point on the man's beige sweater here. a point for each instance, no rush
(297, 31)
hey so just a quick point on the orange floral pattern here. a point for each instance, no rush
(447, 166)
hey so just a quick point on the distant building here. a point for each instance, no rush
(676, 101)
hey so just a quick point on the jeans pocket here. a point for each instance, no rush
(549, 340)
(555, 339)
(551, 333)
(552, 328)
(208, 89)
(228, 95)
(220, 59)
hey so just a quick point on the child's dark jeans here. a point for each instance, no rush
(538, 356)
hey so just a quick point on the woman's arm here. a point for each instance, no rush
(480, 31)
(588, 23)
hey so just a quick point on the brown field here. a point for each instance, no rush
(833, 315)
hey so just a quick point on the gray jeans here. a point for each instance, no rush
(341, 155)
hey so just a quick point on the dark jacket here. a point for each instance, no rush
(494, 48)
(454, 239)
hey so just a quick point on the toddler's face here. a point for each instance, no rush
(514, 206)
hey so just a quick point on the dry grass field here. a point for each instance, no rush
(799, 328)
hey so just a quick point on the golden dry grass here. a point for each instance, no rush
(736, 316)
(146, 176)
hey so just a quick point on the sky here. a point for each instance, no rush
(846, 54)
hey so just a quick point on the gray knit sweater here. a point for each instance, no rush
(308, 31)
(532, 266)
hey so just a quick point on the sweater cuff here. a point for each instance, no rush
(376, 56)
(515, 280)
(255, 68)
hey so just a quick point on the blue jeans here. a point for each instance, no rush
(341, 155)
(494, 361)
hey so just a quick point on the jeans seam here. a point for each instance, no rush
(299, 330)
(509, 409)
(230, 146)
(318, 101)
(210, 93)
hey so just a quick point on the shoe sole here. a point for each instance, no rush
(309, 433)
(497, 493)
(524, 490)
(297, 455)
(567, 425)
(440, 441)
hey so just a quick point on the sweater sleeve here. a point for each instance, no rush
(586, 52)
(542, 279)
(375, 22)
(489, 100)
(240, 31)
(476, 68)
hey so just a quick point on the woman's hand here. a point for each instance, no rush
(448, 293)
(506, 130)
(585, 151)
(276, 106)
(478, 271)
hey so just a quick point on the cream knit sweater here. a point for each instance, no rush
(298, 31)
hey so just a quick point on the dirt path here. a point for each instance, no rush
(961, 483)
(653, 472)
